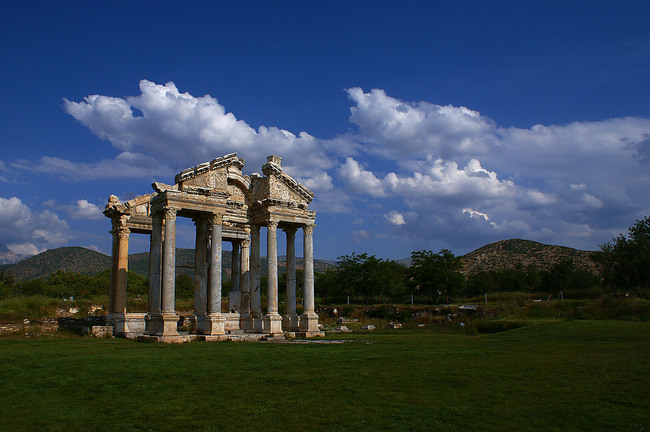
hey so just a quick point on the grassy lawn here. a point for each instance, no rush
(549, 375)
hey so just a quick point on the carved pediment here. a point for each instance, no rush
(280, 186)
(210, 178)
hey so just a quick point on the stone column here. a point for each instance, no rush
(120, 273)
(168, 280)
(234, 296)
(272, 322)
(244, 284)
(235, 266)
(309, 318)
(255, 270)
(215, 322)
(290, 320)
(153, 319)
(200, 270)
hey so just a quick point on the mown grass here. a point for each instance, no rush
(548, 375)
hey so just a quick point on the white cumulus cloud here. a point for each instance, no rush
(441, 168)
(26, 232)
(164, 131)
(395, 218)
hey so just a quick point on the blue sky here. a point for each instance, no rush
(418, 125)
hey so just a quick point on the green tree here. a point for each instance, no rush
(184, 286)
(436, 275)
(362, 276)
(626, 259)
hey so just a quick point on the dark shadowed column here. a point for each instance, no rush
(272, 320)
(290, 321)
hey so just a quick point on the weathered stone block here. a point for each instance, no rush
(272, 324)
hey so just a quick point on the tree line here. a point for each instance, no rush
(432, 277)
(436, 278)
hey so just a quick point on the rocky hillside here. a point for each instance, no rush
(506, 254)
(7, 256)
(68, 259)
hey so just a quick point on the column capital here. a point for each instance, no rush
(272, 225)
(170, 213)
(245, 243)
(123, 232)
(308, 229)
(216, 219)
(119, 222)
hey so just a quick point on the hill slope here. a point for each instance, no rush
(89, 262)
(494, 256)
(69, 259)
(507, 254)
(7, 256)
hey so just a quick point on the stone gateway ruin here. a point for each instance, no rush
(225, 205)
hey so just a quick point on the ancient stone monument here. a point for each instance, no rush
(225, 206)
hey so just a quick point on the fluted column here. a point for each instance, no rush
(309, 319)
(235, 266)
(244, 279)
(234, 296)
(169, 262)
(200, 268)
(272, 320)
(120, 268)
(153, 320)
(255, 270)
(168, 279)
(155, 264)
(215, 322)
(290, 321)
(272, 269)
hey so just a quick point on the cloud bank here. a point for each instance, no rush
(28, 233)
(163, 130)
(430, 173)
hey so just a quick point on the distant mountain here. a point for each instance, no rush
(86, 261)
(494, 256)
(7, 256)
(507, 254)
(68, 259)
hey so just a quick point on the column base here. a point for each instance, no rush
(272, 324)
(255, 325)
(161, 325)
(245, 322)
(291, 323)
(153, 324)
(309, 322)
(212, 324)
(128, 324)
(169, 324)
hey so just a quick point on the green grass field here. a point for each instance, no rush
(548, 375)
